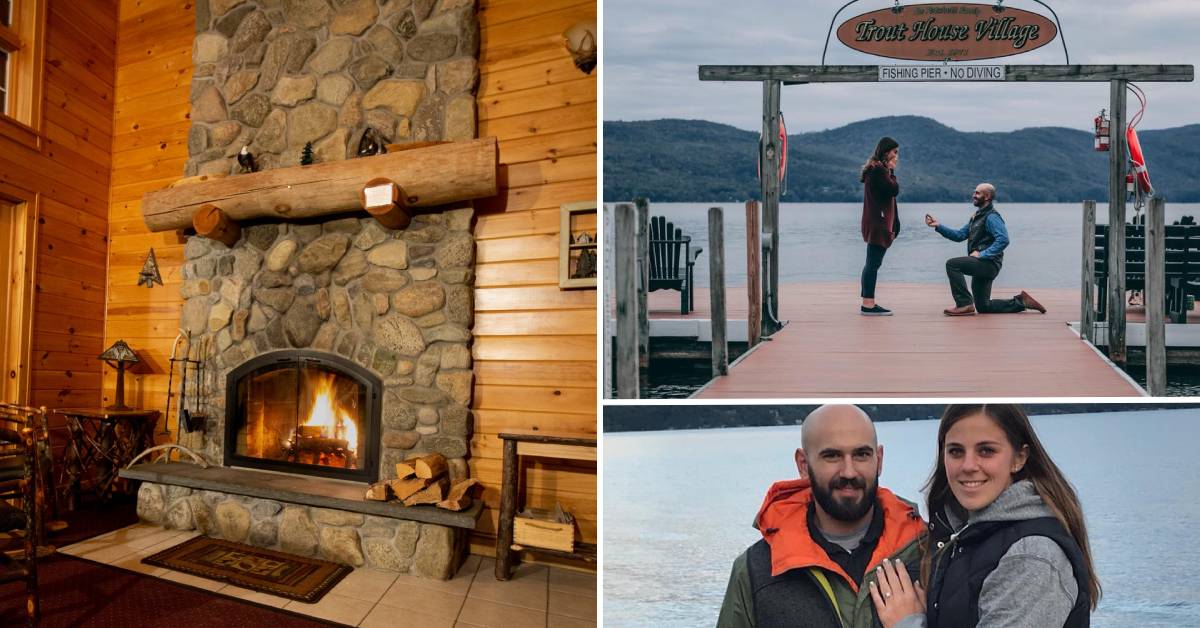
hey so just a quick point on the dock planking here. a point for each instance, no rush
(829, 350)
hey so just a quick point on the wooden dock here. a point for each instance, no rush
(829, 350)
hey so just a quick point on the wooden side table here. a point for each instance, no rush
(108, 438)
(538, 444)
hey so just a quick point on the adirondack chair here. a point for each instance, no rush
(1182, 271)
(671, 262)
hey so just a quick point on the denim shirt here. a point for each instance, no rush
(994, 225)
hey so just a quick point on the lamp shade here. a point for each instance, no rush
(121, 353)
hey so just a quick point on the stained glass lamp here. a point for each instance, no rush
(117, 356)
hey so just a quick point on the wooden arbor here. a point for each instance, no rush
(1118, 77)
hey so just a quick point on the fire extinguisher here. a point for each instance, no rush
(1101, 122)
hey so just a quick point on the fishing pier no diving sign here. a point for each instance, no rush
(947, 32)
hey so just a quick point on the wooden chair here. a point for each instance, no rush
(24, 453)
(1182, 266)
(671, 262)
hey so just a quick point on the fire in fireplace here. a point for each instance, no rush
(303, 412)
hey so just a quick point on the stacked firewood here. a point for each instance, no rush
(424, 480)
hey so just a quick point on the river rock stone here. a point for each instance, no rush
(457, 250)
(456, 420)
(252, 31)
(252, 110)
(367, 71)
(307, 13)
(383, 281)
(381, 553)
(301, 323)
(341, 546)
(459, 121)
(333, 147)
(400, 440)
(334, 89)
(209, 48)
(399, 334)
(401, 97)
(455, 356)
(435, 555)
(218, 316)
(393, 254)
(407, 25)
(432, 46)
(228, 24)
(460, 304)
(310, 122)
(386, 43)
(323, 253)
(457, 75)
(280, 254)
(239, 85)
(332, 56)
(297, 533)
(233, 521)
(353, 265)
(280, 299)
(179, 516)
(419, 299)
(264, 533)
(291, 91)
(457, 384)
(285, 54)
(354, 17)
(328, 517)
(150, 503)
(448, 333)
(208, 106)
(225, 132)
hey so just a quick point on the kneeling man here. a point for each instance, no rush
(986, 237)
(824, 534)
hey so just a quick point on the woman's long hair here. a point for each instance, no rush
(882, 148)
(1047, 479)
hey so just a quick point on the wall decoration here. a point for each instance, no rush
(577, 261)
(149, 274)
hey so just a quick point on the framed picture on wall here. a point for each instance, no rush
(577, 239)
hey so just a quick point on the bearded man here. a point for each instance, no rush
(824, 534)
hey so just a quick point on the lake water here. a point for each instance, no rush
(823, 241)
(678, 508)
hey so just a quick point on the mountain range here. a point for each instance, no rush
(675, 160)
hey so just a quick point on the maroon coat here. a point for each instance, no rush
(880, 219)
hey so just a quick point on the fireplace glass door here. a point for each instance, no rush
(293, 412)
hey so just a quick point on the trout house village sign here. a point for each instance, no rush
(947, 32)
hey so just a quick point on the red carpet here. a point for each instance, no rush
(76, 592)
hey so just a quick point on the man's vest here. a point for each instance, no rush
(797, 597)
(962, 564)
(978, 237)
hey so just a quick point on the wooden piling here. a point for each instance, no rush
(769, 157)
(643, 269)
(1115, 312)
(1087, 305)
(1155, 298)
(625, 239)
(753, 274)
(716, 290)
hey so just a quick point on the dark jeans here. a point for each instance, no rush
(871, 269)
(982, 273)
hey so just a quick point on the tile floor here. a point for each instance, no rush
(536, 596)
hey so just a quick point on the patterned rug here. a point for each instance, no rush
(268, 571)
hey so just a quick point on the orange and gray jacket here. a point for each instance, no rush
(787, 579)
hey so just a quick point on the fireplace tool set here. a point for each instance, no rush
(186, 420)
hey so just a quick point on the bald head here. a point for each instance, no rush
(836, 422)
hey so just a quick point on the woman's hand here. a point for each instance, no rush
(894, 593)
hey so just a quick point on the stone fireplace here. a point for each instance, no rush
(333, 347)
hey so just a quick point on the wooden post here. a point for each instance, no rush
(769, 166)
(214, 224)
(625, 239)
(508, 510)
(1116, 224)
(1156, 329)
(753, 274)
(716, 290)
(384, 200)
(1087, 305)
(643, 267)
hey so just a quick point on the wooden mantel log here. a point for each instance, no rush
(212, 223)
(434, 175)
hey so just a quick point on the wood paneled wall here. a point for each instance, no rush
(69, 176)
(535, 345)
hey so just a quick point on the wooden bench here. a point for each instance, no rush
(537, 444)
(1182, 245)
(672, 261)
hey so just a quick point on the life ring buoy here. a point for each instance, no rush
(1138, 161)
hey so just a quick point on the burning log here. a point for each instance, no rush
(460, 495)
(431, 494)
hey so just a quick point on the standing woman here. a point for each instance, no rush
(880, 220)
(1007, 545)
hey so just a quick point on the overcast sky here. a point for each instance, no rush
(652, 49)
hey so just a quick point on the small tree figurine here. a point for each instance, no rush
(306, 157)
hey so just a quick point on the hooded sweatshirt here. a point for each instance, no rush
(1034, 585)
(783, 522)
